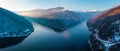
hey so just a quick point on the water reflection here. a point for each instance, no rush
(44, 39)
(66, 34)
(10, 41)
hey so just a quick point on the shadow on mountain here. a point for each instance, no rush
(10, 41)
(105, 28)
(13, 28)
(55, 24)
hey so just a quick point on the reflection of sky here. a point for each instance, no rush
(18, 5)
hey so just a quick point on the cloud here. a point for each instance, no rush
(117, 5)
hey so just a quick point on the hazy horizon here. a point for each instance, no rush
(78, 5)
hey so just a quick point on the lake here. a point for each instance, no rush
(45, 39)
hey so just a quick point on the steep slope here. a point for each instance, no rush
(58, 18)
(13, 25)
(107, 13)
(105, 28)
(13, 28)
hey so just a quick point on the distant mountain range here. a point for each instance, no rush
(57, 18)
(89, 14)
(50, 13)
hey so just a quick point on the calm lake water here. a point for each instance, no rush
(45, 39)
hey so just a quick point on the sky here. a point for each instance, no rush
(78, 5)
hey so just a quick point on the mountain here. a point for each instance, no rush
(105, 28)
(13, 28)
(53, 13)
(59, 19)
(49, 13)
(89, 14)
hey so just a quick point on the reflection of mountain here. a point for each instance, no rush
(58, 18)
(10, 41)
(13, 28)
(105, 28)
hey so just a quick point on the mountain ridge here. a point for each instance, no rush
(110, 12)
(105, 28)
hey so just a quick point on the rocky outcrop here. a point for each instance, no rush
(105, 28)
